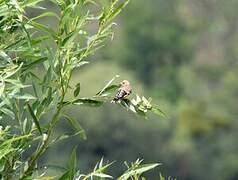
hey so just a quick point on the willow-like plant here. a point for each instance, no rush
(36, 65)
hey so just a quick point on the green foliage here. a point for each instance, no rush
(74, 123)
(98, 172)
(136, 170)
(37, 62)
(77, 90)
(138, 105)
(11, 148)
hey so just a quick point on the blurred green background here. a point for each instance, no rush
(183, 54)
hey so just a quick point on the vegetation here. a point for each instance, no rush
(181, 53)
(37, 62)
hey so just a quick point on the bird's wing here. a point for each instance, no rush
(120, 94)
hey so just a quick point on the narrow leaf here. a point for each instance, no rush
(81, 63)
(45, 14)
(23, 96)
(34, 63)
(14, 139)
(67, 38)
(74, 123)
(138, 170)
(64, 137)
(32, 3)
(107, 85)
(161, 177)
(102, 175)
(4, 56)
(108, 90)
(46, 178)
(43, 28)
(158, 111)
(2, 87)
(77, 90)
(5, 150)
(87, 102)
(64, 176)
(34, 118)
(8, 112)
(118, 10)
(72, 164)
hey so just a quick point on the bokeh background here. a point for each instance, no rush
(183, 54)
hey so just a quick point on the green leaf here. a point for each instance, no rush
(74, 123)
(4, 56)
(34, 119)
(71, 172)
(126, 103)
(8, 112)
(14, 139)
(65, 17)
(64, 137)
(81, 63)
(118, 10)
(72, 164)
(102, 175)
(64, 176)
(161, 177)
(138, 170)
(67, 38)
(158, 111)
(26, 126)
(46, 178)
(45, 14)
(99, 171)
(34, 63)
(90, 1)
(29, 41)
(87, 102)
(29, 3)
(107, 85)
(44, 28)
(77, 90)
(2, 87)
(17, 6)
(12, 71)
(108, 90)
(23, 96)
(5, 149)
(16, 83)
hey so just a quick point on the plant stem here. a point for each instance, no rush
(39, 151)
(45, 143)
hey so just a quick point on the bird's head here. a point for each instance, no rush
(125, 83)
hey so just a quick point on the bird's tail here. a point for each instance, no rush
(114, 100)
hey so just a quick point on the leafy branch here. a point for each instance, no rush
(36, 65)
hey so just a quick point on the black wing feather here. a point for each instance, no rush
(119, 95)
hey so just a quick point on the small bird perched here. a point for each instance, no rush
(123, 91)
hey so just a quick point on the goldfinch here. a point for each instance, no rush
(123, 91)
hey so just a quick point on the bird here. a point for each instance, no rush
(123, 91)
